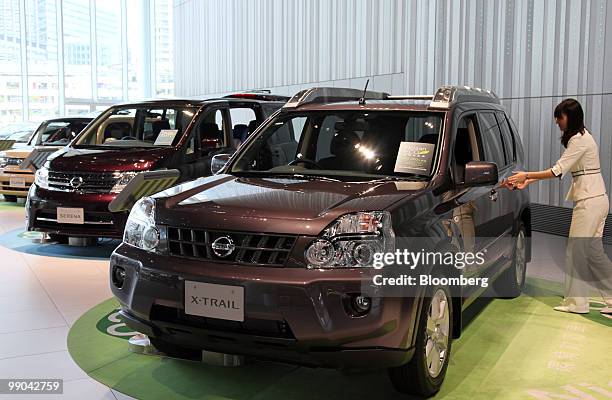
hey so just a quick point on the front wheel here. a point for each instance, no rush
(424, 374)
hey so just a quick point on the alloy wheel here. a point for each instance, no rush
(520, 258)
(437, 333)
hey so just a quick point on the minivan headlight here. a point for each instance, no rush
(352, 240)
(123, 178)
(3, 160)
(140, 230)
(41, 178)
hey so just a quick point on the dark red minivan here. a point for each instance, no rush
(72, 192)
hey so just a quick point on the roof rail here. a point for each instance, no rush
(447, 95)
(411, 97)
(444, 97)
(320, 95)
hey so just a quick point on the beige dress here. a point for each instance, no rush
(587, 266)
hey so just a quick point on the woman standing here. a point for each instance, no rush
(585, 257)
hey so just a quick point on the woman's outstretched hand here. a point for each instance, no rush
(518, 177)
(511, 186)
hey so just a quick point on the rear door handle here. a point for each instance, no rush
(493, 195)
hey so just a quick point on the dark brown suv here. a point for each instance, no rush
(273, 256)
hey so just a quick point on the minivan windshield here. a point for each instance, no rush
(137, 126)
(345, 145)
(57, 133)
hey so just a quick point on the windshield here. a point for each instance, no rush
(135, 126)
(345, 145)
(21, 137)
(57, 133)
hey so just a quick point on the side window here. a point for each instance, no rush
(211, 130)
(244, 122)
(491, 139)
(509, 142)
(467, 147)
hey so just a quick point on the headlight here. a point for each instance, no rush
(123, 178)
(140, 230)
(352, 240)
(41, 178)
(3, 161)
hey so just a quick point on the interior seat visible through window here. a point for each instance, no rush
(210, 135)
(117, 130)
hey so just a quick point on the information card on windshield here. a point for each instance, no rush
(165, 137)
(414, 158)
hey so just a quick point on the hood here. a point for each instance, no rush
(291, 206)
(18, 152)
(104, 160)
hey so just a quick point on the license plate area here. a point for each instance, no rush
(67, 215)
(214, 301)
(16, 181)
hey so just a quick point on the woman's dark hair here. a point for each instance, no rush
(575, 119)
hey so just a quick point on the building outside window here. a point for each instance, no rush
(68, 57)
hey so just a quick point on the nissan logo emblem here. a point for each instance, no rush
(223, 246)
(76, 182)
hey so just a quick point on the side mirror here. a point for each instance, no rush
(480, 173)
(218, 162)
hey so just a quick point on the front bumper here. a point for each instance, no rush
(295, 315)
(9, 174)
(41, 213)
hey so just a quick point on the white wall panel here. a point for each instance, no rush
(532, 53)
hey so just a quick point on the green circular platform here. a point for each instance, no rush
(513, 349)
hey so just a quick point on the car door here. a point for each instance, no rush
(478, 205)
(502, 218)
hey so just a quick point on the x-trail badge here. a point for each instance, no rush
(223, 246)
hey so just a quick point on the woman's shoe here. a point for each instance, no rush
(572, 309)
(606, 310)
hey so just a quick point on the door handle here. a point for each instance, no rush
(493, 195)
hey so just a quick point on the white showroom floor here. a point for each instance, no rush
(42, 296)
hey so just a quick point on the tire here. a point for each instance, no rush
(61, 239)
(511, 282)
(10, 198)
(420, 376)
(176, 351)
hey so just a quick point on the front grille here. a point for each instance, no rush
(90, 182)
(14, 161)
(250, 326)
(249, 248)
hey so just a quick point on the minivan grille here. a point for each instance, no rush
(90, 182)
(237, 247)
(14, 161)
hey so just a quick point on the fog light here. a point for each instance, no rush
(362, 303)
(118, 276)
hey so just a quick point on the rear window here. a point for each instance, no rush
(509, 142)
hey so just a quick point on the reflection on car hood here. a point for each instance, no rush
(101, 160)
(273, 205)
